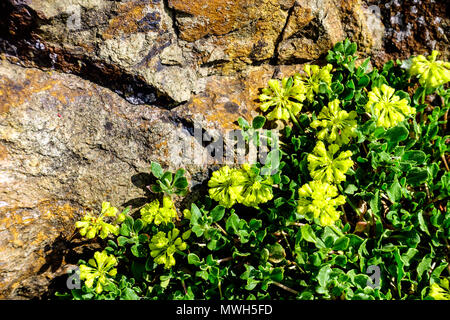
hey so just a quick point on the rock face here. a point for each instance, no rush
(91, 91)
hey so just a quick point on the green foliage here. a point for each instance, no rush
(362, 185)
(167, 182)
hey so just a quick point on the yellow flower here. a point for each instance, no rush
(325, 167)
(387, 108)
(320, 200)
(99, 269)
(151, 212)
(90, 226)
(284, 99)
(225, 186)
(164, 247)
(431, 73)
(338, 125)
(440, 291)
(256, 189)
(314, 77)
(245, 185)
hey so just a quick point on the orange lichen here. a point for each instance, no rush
(3, 152)
(231, 98)
(14, 94)
(126, 22)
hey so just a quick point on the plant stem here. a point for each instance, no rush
(282, 286)
(349, 201)
(295, 121)
(219, 285)
(287, 242)
(423, 94)
(184, 286)
(224, 260)
(445, 161)
(220, 228)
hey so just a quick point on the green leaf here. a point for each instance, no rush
(396, 134)
(139, 250)
(276, 253)
(122, 241)
(342, 243)
(166, 178)
(351, 49)
(374, 203)
(181, 183)
(129, 294)
(258, 122)
(423, 266)
(195, 214)
(243, 123)
(416, 156)
(157, 170)
(308, 233)
(277, 274)
(394, 191)
(232, 223)
(351, 188)
(217, 213)
(138, 225)
(194, 259)
(416, 176)
(422, 223)
(418, 95)
(324, 275)
(363, 81)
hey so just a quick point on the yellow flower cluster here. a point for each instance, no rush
(387, 108)
(320, 199)
(431, 73)
(99, 269)
(151, 212)
(90, 225)
(245, 185)
(338, 125)
(163, 247)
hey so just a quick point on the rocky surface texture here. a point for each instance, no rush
(91, 91)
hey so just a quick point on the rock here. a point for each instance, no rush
(123, 39)
(66, 145)
(312, 29)
(412, 27)
(229, 33)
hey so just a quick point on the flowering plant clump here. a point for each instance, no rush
(431, 72)
(320, 199)
(324, 166)
(338, 125)
(257, 189)
(225, 186)
(246, 186)
(100, 270)
(90, 226)
(285, 99)
(387, 108)
(163, 247)
(315, 76)
(151, 212)
(358, 180)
